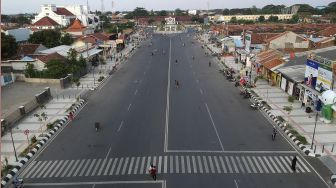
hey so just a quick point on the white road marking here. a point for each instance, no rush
(236, 183)
(227, 160)
(129, 107)
(92, 164)
(177, 164)
(201, 91)
(217, 165)
(171, 164)
(68, 167)
(223, 164)
(194, 164)
(234, 164)
(136, 165)
(230, 152)
(125, 166)
(159, 167)
(285, 164)
(56, 168)
(167, 103)
(96, 167)
(268, 164)
(200, 164)
(102, 167)
(136, 91)
(73, 168)
(121, 124)
(211, 164)
(131, 166)
(108, 153)
(188, 164)
(108, 166)
(165, 164)
(84, 168)
(97, 183)
(262, 164)
(246, 164)
(38, 169)
(113, 166)
(119, 166)
(142, 165)
(274, 164)
(78, 168)
(182, 164)
(257, 164)
(240, 165)
(214, 126)
(205, 165)
(197, 81)
(251, 164)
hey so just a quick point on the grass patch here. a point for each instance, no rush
(301, 138)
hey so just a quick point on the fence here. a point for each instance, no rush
(12, 118)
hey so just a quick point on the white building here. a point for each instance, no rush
(227, 18)
(192, 12)
(66, 14)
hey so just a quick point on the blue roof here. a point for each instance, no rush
(21, 34)
(238, 42)
(27, 58)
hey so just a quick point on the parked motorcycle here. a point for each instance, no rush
(255, 106)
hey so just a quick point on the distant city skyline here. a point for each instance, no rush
(33, 6)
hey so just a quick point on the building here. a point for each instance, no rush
(29, 50)
(78, 29)
(44, 23)
(192, 12)
(227, 18)
(65, 15)
(289, 41)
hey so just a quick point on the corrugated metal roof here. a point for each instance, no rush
(295, 72)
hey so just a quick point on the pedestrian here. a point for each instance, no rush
(274, 133)
(302, 104)
(294, 163)
(71, 116)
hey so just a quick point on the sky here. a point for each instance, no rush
(33, 6)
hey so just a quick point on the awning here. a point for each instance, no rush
(91, 52)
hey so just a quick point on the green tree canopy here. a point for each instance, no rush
(179, 12)
(261, 18)
(56, 69)
(49, 38)
(162, 13)
(233, 20)
(66, 39)
(8, 46)
(273, 19)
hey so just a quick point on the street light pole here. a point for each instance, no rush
(311, 147)
(11, 133)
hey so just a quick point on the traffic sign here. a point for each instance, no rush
(26, 132)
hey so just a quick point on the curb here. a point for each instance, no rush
(333, 179)
(283, 127)
(40, 143)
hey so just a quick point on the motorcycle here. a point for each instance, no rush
(236, 84)
(18, 183)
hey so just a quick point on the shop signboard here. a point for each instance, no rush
(311, 73)
(324, 78)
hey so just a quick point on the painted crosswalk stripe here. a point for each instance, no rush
(263, 164)
(119, 166)
(301, 163)
(49, 169)
(85, 166)
(206, 167)
(108, 166)
(200, 164)
(188, 164)
(102, 167)
(36, 165)
(43, 169)
(211, 164)
(125, 166)
(159, 165)
(234, 164)
(79, 167)
(41, 165)
(177, 164)
(165, 164)
(240, 165)
(96, 167)
(223, 164)
(73, 168)
(274, 164)
(227, 160)
(154, 162)
(136, 165)
(171, 164)
(61, 168)
(68, 167)
(217, 165)
(141, 171)
(194, 164)
(28, 169)
(182, 164)
(268, 164)
(56, 168)
(131, 166)
(251, 164)
(148, 163)
(90, 167)
(113, 165)
(281, 166)
(285, 164)
(257, 164)
(246, 164)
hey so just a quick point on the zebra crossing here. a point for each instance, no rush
(166, 164)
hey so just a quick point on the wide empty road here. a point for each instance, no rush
(201, 134)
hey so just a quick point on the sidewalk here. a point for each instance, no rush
(55, 109)
(325, 134)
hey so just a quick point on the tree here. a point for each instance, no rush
(162, 13)
(66, 39)
(179, 12)
(163, 22)
(30, 72)
(8, 46)
(261, 18)
(273, 19)
(41, 117)
(20, 19)
(56, 69)
(294, 19)
(226, 12)
(150, 21)
(233, 19)
(138, 11)
(49, 38)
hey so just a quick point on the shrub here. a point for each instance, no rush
(77, 84)
(302, 139)
(24, 152)
(291, 99)
(33, 139)
(5, 169)
(280, 118)
(101, 78)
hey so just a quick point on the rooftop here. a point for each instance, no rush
(46, 21)
(63, 11)
(52, 56)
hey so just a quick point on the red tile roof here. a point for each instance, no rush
(27, 49)
(46, 21)
(330, 31)
(273, 63)
(261, 38)
(52, 56)
(76, 26)
(63, 11)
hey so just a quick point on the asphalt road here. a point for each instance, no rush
(202, 134)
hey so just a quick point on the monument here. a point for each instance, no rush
(170, 24)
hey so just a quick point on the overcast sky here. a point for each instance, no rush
(33, 6)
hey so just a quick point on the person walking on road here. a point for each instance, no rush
(152, 171)
(209, 63)
(274, 133)
(294, 163)
(177, 84)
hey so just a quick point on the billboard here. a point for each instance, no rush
(311, 73)
(324, 78)
(247, 42)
